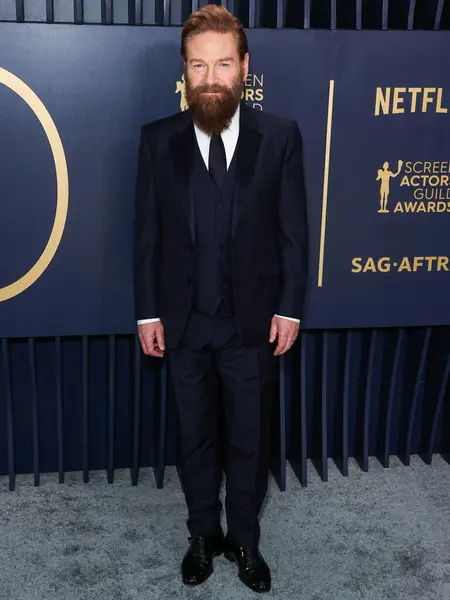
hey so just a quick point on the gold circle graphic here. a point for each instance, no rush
(62, 181)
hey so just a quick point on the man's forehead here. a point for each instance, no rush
(212, 43)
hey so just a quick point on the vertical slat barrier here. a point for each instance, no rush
(411, 11)
(49, 11)
(304, 461)
(438, 17)
(20, 11)
(59, 408)
(415, 398)
(137, 410)
(107, 12)
(229, 5)
(324, 412)
(138, 11)
(392, 388)
(367, 401)
(78, 16)
(345, 402)
(307, 14)
(358, 14)
(111, 406)
(131, 12)
(194, 5)
(281, 13)
(85, 404)
(252, 14)
(34, 409)
(9, 414)
(135, 12)
(333, 15)
(166, 13)
(159, 468)
(439, 406)
(385, 15)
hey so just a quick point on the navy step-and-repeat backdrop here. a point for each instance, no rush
(373, 110)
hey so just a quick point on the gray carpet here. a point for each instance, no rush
(373, 536)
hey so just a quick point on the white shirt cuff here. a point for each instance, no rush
(142, 321)
(288, 318)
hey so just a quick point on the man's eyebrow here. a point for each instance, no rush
(226, 59)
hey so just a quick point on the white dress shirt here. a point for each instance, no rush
(230, 138)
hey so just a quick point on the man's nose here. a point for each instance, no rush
(211, 76)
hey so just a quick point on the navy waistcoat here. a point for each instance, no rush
(213, 209)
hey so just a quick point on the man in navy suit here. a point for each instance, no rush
(221, 254)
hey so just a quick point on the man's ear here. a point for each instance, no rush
(245, 65)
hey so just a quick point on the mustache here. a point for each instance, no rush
(215, 88)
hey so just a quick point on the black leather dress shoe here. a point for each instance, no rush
(197, 564)
(253, 570)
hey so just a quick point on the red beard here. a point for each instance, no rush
(213, 114)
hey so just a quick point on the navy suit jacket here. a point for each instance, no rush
(269, 236)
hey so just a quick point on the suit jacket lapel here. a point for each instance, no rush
(247, 155)
(182, 148)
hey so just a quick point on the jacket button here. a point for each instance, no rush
(189, 280)
(191, 247)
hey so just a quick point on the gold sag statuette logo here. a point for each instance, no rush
(384, 176)
(423, 187)
(253, 93)
(27, 95)
(181, 89)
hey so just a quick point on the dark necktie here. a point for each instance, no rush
(217, 159)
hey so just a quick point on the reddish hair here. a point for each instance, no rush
(214, 18)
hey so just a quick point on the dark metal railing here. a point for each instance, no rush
(298, 14)
(319, 383)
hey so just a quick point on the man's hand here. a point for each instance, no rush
(287, 332)
(151, 336)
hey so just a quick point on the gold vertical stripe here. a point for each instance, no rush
(325, 183)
